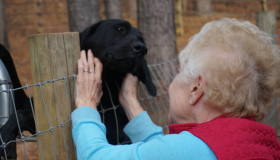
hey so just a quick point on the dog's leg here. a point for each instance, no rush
(114, 119)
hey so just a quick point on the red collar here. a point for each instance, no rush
(178, 128)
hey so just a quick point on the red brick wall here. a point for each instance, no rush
(239, 9)
(23, 18)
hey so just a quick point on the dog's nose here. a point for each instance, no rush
(139, 47)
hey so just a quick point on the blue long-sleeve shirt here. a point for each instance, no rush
(148, 141)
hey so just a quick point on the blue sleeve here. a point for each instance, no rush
(142, 129)
(89, 135)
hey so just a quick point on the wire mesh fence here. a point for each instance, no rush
(39, 132)
(157, 107)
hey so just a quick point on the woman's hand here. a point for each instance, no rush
(128, 96)
(89, 81)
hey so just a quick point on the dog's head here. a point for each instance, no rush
(121, 49)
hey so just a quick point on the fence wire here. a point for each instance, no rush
(157, 107)
(39, 133)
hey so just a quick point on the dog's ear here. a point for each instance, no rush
(145, 77)
(86, 36)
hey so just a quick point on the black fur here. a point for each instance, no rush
(24, 111)
(121, 49)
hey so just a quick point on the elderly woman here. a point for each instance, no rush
(228, 73)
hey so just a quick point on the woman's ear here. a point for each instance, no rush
(197, 89)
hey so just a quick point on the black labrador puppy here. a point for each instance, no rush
(121, 49)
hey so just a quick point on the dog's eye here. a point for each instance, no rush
(121, 29)
(109, 56)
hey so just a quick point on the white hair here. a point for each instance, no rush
(240, 63)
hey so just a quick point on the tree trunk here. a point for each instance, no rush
(113, 9)
(156, 22)
(3, 28)
(266, 21)
(185, 6)
(204, 7)
(82, 13)
(132, 8)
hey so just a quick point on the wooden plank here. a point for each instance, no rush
(54, 56)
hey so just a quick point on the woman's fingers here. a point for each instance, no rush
(90, 65)
(98, 68)
(80, 66)
(80, 70)
(90, 62)
(131, 81)
(83, 57)
(89, 88)
(129, 88)
(91, 76)
(84, 60)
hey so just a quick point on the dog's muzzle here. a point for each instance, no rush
(139, 47)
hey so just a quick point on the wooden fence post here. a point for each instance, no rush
(266, 21)
(54, 56)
